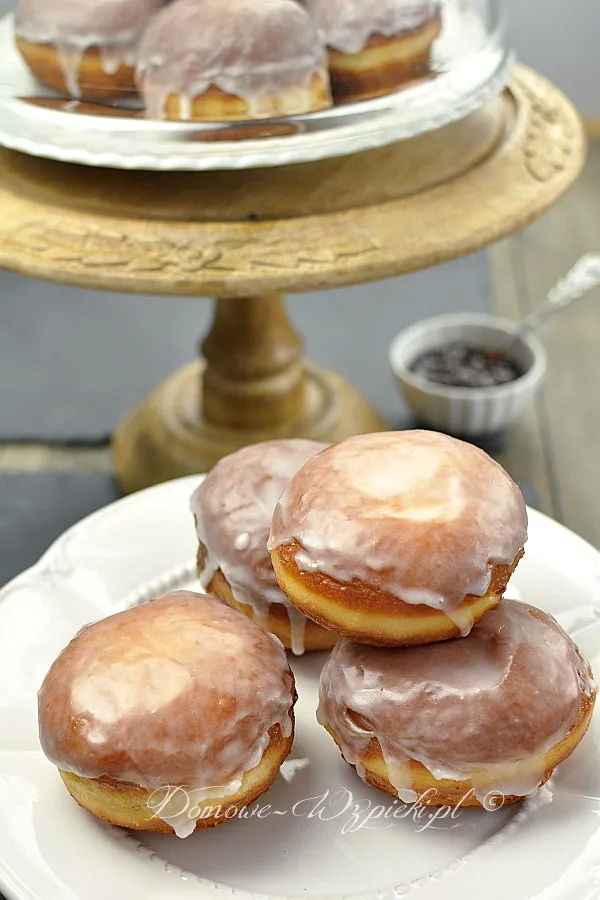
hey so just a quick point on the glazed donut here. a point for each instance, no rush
(376, 48)
(85, 48)
(170, 716)
(224, 60)
(233, 508)
(480, 721)
(398, 538)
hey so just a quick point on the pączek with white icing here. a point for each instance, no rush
(508, 692)
(420, 515)
(233, 508)
(348, 25)
(113, 27)
(250, 49)
(182, 691)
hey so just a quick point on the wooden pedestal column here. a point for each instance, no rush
(254, 377)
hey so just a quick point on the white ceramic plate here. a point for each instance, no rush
(50, 849)
(472, 67)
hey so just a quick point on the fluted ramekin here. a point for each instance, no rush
(467, 411)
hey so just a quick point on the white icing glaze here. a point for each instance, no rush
(83, 23)
(291, 767)
(347, 25)
(70, 61)
(179, 807)
(420, 515)
(233, 508)
(507, 693)
(252, 49)
(75, 26)
(180, 692)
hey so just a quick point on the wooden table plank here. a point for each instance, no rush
(525, 454)
(39, 457)
(568, 409)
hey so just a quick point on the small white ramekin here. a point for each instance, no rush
(462, 411)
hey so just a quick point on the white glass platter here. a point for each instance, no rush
(312, 841)
(472, 66)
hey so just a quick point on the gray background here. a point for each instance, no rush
(72, 362)
(560, 39)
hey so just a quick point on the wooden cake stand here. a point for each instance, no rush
(247, 237)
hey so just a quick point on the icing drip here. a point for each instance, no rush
(113, 56)
(420, 515)
(233, 508)
(347, 25)
(177, 807)
(111, 59)
(461, 618)
(297, 630)
(252, 49)
(117, 701)
(497, 701)
(70, 61)
(185, 108)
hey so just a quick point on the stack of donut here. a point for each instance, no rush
(393, 549)
(228, 60)
(438, 689)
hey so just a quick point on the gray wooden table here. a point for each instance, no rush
(556, 448)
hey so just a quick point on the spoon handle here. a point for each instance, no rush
(583, 278)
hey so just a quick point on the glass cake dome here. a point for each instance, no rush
(209, 84)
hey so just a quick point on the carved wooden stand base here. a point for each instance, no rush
(166, 437)
(253, 386)
(249, 236)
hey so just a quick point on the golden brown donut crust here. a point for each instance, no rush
(44, 62)
(385, 64)
(127, 805)
(372, 616)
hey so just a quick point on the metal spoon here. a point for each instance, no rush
(582, 278)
